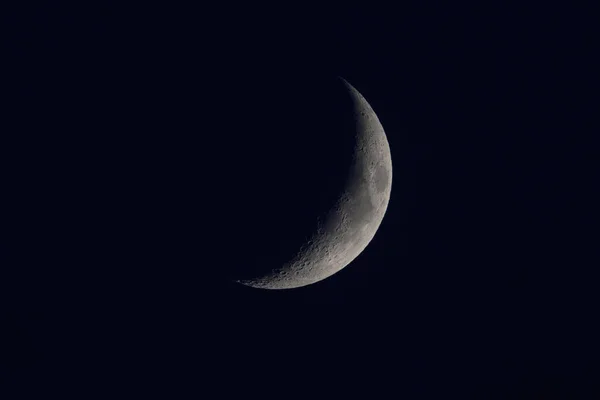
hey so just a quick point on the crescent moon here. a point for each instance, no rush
(352, 223)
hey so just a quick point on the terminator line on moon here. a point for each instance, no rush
(351, 224)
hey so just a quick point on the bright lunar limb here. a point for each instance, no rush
(351, 224)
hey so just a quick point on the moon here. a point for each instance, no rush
(348, 227)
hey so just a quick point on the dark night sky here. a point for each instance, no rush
(130, 183)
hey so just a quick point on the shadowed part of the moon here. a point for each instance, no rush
(294, 149)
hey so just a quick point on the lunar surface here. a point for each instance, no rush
(344, 231)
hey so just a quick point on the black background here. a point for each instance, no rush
(129, 179)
